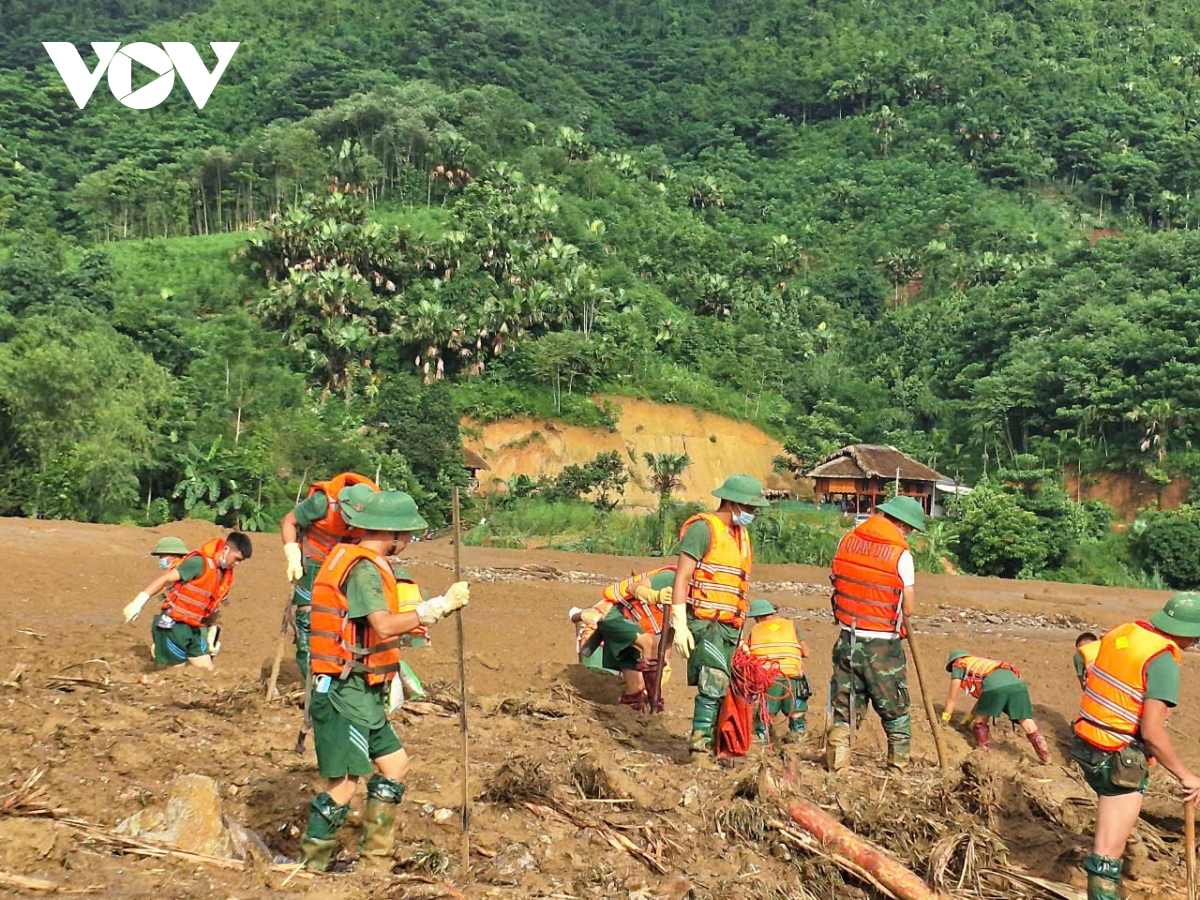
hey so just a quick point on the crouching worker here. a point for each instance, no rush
(357, 622)
(1087, 645)
(195, 588)
(999, 690)
(625, 627)
(778, 640)
(1121, 729)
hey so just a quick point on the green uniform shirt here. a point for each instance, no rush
(190, 569)
(1162, 679)
(1080, 664)
(662, 579)
(696, 540)
(363, 704)
(311, 509)
(1001, 678)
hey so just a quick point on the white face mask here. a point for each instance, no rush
(164, 563)
(743, 518)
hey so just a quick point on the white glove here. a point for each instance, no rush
(214, 640)
(133, 609)
(684, 642)
(435, 609)
(590, 617)
(395, 695)
(295, 561)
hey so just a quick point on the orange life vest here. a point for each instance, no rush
(321, 536)
(867, 589)
(1088, 651)
(978, 668)
(777, 639)
(720, 586)
(340, 645)
(648, 616)
(193, 602)
(1110, 712)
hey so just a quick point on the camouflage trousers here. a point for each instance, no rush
(878, 671)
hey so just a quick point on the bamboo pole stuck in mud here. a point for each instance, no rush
(926, 699)
(1189, 847)
(462, 693)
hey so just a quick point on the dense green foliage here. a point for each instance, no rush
(870, 222)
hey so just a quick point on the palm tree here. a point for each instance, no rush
(665, 469)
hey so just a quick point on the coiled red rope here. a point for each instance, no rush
(753, 677)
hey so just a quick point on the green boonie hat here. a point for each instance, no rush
(381, 511)
(745, 490)
(904, 509)
(761, 608)
(1180, 617)
(955, 655)
(170, 546)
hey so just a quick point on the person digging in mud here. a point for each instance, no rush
(779, 640)
(309, 532)
(1087, 645)
(360, 609)
(1121, 729)
(998, 690)
(624, 628)
(710, 598)
(184, 631)
(873, 578)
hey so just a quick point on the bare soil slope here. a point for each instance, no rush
(111, 746)
(718, 447)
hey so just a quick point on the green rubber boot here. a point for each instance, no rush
(1104, 877)
(899, 741)
(837, 748)
(324, 819)
(379, 823)
(797, 731)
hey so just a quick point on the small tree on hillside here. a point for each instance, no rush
(665, 469)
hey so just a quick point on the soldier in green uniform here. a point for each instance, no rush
(999, 690)
(357, 601)
(873, 591)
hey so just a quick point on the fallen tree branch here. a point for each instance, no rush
(29, 883)
(614, 840)
(810, 844)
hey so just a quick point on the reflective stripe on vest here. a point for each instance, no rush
(719, 588)
(978, 668)
(194, 602)
(1114, 696)
(777, 639)
(647, 616)
(318, 538)
(868, 592)
(339, 645)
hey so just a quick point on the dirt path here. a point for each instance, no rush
(109, 751)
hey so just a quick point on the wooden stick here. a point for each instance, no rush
(42, 884)
(463, 726)
(943, 760)
(1189, 840)
(279, 645)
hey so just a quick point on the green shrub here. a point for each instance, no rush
(1170, 545)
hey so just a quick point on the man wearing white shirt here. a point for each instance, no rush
(873, 577)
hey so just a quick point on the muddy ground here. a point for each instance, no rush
(111, 746)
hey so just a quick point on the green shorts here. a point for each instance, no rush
(788, 695)
(618, 635)
(344, 748)
(1097, 765)
(1011, 700)
(176, 645)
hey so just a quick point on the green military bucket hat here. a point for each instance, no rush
(1180, 617)
(744, 490)
(170, 546)
(955, 656)
(381, 511)
(904, 509)
(355, 495)
(761, 608)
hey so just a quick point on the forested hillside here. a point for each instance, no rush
(964, 230)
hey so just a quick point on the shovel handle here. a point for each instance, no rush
(1189, 840)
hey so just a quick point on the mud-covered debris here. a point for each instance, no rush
(601, 778)
(517, 780)
(509, 865)
(193, 819)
